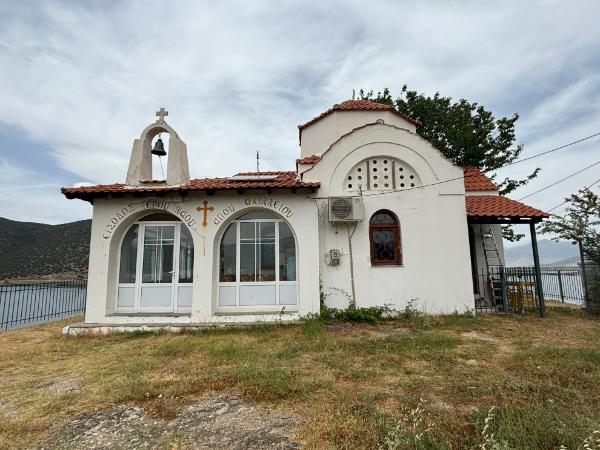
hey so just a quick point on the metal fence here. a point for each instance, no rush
(564, 284)
(506, 289)
(514, 289)
(31, 303)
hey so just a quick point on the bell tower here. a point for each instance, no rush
(140, 163)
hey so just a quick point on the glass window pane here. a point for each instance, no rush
(266, 262)
(186, 256)
(247, 262)
(151, 235)
(383, 218)
(257, 215)
(159, 217)
(128, 256)
(247, 231)
(167, 233)
(228, 254)
(267, 231)
(383, 245)
(287, 253)
(157, 264)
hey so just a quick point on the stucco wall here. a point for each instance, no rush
(436, 272)
(319, 136)
(112, 217)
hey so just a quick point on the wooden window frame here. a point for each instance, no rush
(395, 228)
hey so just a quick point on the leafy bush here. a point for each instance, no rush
(372, 314)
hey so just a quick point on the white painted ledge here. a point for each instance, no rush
(82, 328)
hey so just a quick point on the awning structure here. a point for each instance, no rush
(499, 209)
(496, 209)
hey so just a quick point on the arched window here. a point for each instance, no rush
(384, 235)
(156, 266)
(257, 262)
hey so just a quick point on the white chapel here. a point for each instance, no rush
(372, 214)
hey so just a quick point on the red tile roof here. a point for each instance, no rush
(498, 206)
(358, 105)
(281, 180)
(476, 180)
(312, 159)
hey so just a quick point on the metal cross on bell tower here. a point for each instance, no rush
(161, 113)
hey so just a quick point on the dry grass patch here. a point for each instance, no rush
(353, 385)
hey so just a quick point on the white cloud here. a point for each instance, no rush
(29, 196)
(238, 77)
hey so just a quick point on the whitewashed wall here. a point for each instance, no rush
(436, 273)
(320, 135)
(112, 218)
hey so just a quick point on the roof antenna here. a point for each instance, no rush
(353, 94)
(257, 162)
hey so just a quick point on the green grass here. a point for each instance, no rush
(356, 385)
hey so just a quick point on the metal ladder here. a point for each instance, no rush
(493, 264)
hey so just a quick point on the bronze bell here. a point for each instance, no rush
(159, 148)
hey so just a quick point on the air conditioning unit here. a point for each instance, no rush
(346, 209)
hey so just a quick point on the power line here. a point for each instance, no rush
(484, 171)
(567, 200)
(561, 180)
(548, 151)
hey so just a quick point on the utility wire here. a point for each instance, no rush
(568, 200)
(548, 151)
(560, 181)
(484, 171)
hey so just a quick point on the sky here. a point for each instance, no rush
(80, 80)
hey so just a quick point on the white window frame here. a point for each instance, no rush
(277, 307)
(174, 307)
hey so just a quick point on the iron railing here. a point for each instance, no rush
(564, 284)
(514, 289)
(29, 303)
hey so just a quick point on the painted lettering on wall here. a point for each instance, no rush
(116, 219)
(157, 204)
(276, 205)
(184, 215)
(223, 214)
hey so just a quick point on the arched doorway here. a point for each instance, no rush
(156, 263)
(257, 263)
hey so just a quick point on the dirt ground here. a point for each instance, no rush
(312, 385)
(219, 421)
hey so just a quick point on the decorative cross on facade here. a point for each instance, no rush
(161, 113)
(205, 208)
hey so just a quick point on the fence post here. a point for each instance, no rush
(583, 277)
(560, 287)
(503, 289)
(538, 272)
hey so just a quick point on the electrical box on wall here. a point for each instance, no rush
(334, 257)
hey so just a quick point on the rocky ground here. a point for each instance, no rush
(222, 421)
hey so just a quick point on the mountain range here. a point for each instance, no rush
(37, 250)
(561, 253)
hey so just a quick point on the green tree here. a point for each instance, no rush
(466, 133)
(579, 224)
